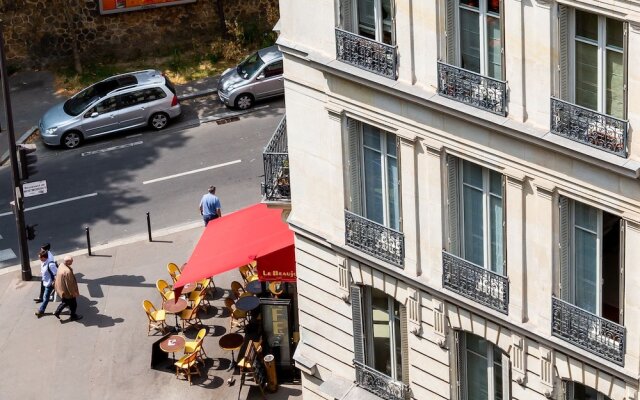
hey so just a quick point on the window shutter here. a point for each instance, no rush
(563, 52)
(563, 247)
(625, 67)
(346, 15)
(358, 333)
(622, 268)
(452, 204)
(567, 388)
(355, 179)
(504, 226)
(506, 377)
(404, 344)
(460, 365)
(502, 35)
(393, 22)
(450, 25)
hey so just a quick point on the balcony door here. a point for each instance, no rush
(576, 391)
(373, 19)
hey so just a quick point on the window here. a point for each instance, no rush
(380, 332)
(576, 391)
(474, 36)
(369, 18)
(591, 259)
(273, 69)
(105, 106)
(483, 370)
(373, 173)
(592, 61)
(476, 217)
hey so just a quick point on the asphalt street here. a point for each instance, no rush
(110, 184)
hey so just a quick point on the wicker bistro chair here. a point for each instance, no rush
(156, 317)
(202, 295)
(237, 289)
(174, 271)
(165, 290)
(196, 346)
(190, 316)
(188, 366)
(238, 317)
(209, 285)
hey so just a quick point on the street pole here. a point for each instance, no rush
(18, 205)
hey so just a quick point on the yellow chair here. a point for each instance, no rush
(186, 364)
(190, 315)
(174, 271)
(207, 284)
(245, 294)
(252, 278)
(236, 289)
(165, 290)
(238, 317)
(246, 271)
(202, 294)
(156, 317)
(196, 345)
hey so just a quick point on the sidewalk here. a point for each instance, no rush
(107, 354)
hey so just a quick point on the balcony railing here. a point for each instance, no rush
(365, 53)
(473, 89)
(586, 126)
(275, 158)
(474, 282)
(380, 384)
(594, 334)
(374, 239)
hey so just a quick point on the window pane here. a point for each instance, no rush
(392, 148)
(392, 189)
(586, 216)
(586, 276)
(469, 40)
(473, 226)
(496, 232)
(494, 48)
(398, 344)
(472, 174)
(614, 84)
(469, 3)
(371, 137)
(386, 21)
(495, 183)
(586, 25)
(366, 19)
(587, 75)
(373, 185)
(493, 6)
(381, 333)
(497, 376)
(477, 384)
(615, 36)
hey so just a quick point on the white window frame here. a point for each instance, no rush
(378, 20)
(601, 44)
(484, 48)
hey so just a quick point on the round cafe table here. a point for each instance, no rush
(254, 287)
(189, 287)
(231, 342)
(172, 344)
(175, 308)
(247, 303)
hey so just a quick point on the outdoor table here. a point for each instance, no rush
(189, 287)
(172, 344)
(254, 287)
(175, 308)
(231, 341)
(247, 303)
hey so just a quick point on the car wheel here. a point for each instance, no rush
(159, 121)
(72, 139)
(244, 101)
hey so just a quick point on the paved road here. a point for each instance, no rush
(110, 184)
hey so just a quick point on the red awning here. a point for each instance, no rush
(253, 233)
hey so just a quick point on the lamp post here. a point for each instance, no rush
(17, 204)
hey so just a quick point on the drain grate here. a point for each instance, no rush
(227, 120)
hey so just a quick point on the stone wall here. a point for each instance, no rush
(44, 32)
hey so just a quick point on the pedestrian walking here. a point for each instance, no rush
(48, 271)
(67, 288)
(210, 206)
(50, 258)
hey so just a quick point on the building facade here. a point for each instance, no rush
(464, 195)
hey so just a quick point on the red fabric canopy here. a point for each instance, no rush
(253, 233)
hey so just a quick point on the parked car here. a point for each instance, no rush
(117, 103)
(258, 77)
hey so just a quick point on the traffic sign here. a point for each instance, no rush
(34, 188)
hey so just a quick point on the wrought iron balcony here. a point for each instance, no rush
(474, 282)
(380, 384)
(365, 53)
(594, 334)
(372, 238)
(590, 127)
(275, 158)
(473, 89)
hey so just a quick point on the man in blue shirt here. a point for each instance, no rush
(210, 206)
(48, 269)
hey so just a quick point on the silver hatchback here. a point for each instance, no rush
(259, 76)
(121, 102)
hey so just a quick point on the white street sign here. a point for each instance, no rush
(34, 188)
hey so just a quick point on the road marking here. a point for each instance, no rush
(122, 146)
(134, 135)
(195, 171)
(7, 254)
(53, 203)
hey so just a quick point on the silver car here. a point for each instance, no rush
(121, 102)
(259, 76)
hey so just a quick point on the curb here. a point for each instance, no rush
(4, 157)
(200, 93)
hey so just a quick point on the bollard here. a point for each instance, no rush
(88, 240)
(149, 226)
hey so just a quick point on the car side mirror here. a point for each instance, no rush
(260, 77)
(93, 114)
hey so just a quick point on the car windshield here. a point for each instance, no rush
(78, 103)
(250, 66)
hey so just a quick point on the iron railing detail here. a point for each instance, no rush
(380, 384)
(275, 158)
(472, 88)
(590, 127)
(474, 282)
(374, 239)
(586, 330)
(368, 54)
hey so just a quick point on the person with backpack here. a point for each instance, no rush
(48, 270)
